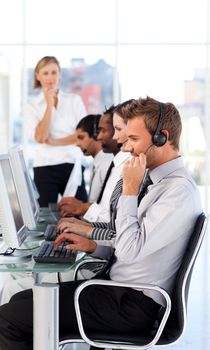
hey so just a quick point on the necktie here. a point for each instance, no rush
(116, 193)
(146, 183)
(91, 180)
(105, 181)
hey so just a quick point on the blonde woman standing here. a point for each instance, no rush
(51, 119)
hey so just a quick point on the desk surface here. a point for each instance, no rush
(29, 265)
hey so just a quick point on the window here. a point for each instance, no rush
(110, 51)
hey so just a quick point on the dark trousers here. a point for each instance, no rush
(51, 181)
(103, 308)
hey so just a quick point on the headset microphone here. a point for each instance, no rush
(121, 144)
(85, 149)
(148, 148)
(124, 143)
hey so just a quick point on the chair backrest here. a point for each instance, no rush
(177, 319)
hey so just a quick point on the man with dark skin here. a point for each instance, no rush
(106, 132)
(87, 132)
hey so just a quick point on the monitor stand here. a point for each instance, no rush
(34, 234)
(41, 220)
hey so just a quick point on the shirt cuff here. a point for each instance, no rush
(96, 213)
(92, 213)
(102, 251)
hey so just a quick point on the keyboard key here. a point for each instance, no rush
(50, 233)
(47, 254)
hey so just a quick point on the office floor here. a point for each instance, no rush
(197, 334)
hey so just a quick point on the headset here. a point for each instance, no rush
(95, 128)
(159, 138)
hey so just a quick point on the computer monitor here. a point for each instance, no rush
(28, 201)
(12, 226)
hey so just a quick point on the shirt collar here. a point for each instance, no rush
(121, 157)
(166, 169)
(97, 158)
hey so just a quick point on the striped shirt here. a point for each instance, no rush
(106, 230)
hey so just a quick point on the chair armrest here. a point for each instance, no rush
(89, 263)
(116, 344)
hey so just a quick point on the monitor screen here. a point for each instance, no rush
(28, 204)
(33, 200)
(12, 224)
(12, 194)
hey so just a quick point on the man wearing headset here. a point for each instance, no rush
(87, 132)
(99, 210)
(150, 241)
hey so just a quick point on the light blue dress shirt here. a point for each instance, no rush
(151, 239)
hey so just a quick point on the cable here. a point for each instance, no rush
(9, 251)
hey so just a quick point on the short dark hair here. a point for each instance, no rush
(90, 124)
(110, 112)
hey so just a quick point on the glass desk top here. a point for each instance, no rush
(29, 265)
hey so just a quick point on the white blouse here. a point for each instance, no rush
(70, 110)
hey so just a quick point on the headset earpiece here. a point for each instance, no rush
(95, 128)
(159, 138)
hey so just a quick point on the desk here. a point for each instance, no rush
(45, 301)
(48, 216)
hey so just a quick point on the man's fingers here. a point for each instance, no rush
(61, 238)
(66, 229)
(142, 159)
(72, 246)
(136, 161)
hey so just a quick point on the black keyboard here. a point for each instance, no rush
(47, 254)
(50, 233)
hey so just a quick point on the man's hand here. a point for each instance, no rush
(75, 243)
(78, 228)
(69, 200)
(74, 209)
(133, 174)
(74, 221)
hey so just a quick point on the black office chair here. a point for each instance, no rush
(172, 321)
